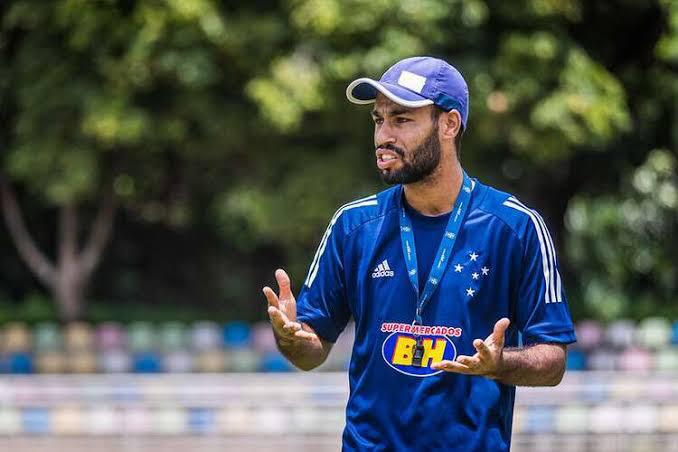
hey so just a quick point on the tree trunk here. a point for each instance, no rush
(68, 288)
(68, 279)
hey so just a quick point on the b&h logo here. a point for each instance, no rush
(398, 347)
(382, 270)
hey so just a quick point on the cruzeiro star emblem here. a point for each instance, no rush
(473, 271)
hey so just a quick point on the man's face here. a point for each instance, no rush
(406, 141)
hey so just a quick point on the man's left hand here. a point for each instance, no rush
(487, 360)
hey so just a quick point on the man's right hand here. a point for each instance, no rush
(282, 310)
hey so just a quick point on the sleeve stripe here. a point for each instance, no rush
(551, 247)
(313, 270)
(547, 251)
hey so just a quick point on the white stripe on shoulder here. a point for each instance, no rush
(551, 248)
(548, 264)
(313, 270)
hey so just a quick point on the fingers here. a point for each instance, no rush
(292, 327)
(452, 366)
(482, 349)
(469, 361)
(307, 335)
(284, 284)
(499, 330)
(278, 318)
(271, 297)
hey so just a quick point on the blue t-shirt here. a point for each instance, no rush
(428, 232)
(503, 265)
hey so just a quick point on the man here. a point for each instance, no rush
(426, 269)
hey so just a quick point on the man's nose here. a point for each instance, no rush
(383, 134)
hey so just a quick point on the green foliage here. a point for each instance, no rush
(618, 243)
(33, 309)
(229, 118)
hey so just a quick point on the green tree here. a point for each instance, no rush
(118, 103)
(229, 118)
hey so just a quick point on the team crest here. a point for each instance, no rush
(398, 347)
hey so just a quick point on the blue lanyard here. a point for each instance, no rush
(444, 249)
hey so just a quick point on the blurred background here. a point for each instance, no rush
(160, 158)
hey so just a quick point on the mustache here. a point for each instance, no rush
(393, 148)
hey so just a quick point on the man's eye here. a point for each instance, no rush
(378, 120)
(401, 120)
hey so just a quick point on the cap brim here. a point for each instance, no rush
(364, 91)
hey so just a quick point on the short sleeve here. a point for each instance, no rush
(322, 301)
(541, 307)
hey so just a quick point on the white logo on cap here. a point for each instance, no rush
(412, 81)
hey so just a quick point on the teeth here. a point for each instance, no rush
(386, 158)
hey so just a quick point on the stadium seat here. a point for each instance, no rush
(539, 419)
(178, 361)
(654, 333)
(67, 420)
(35, 420)
(235, 419)
(101, 420)
(589, 334)
(275, 362)
(146, 362)
(50, 362)
(603, 359)
(571, 418)
(262, 338)
(110, 336)
(643, 418)
(172, 336)
(576, 360)
(206, 336)
(78, 336)
(81, 362)
(16, 338)
(141, 337)
(242, 360)
(10, 420)
(201, 420)
(19, 363)
(606, 418)
(620, 333)
(210, 361)
(666, 359)
(168, 421)
(674, 333)
(635, 359)
(237, 334)
(114, 361)
(136, 420)
(667, 421)
(47, 337)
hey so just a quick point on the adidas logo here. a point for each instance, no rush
(382, 270)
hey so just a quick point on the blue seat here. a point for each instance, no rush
(540, 419)
(19, 363)
(576, 360)
(674, 333)
(237, 334)
(35, 420)
(274, 362)
(147, 363)
(201, 420)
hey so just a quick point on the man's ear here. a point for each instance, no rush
(449, 124)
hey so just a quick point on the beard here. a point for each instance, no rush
(425, 158)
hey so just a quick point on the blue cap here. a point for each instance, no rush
(416, 82)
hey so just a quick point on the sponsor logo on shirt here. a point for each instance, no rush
(382, 271)
(398, 347)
